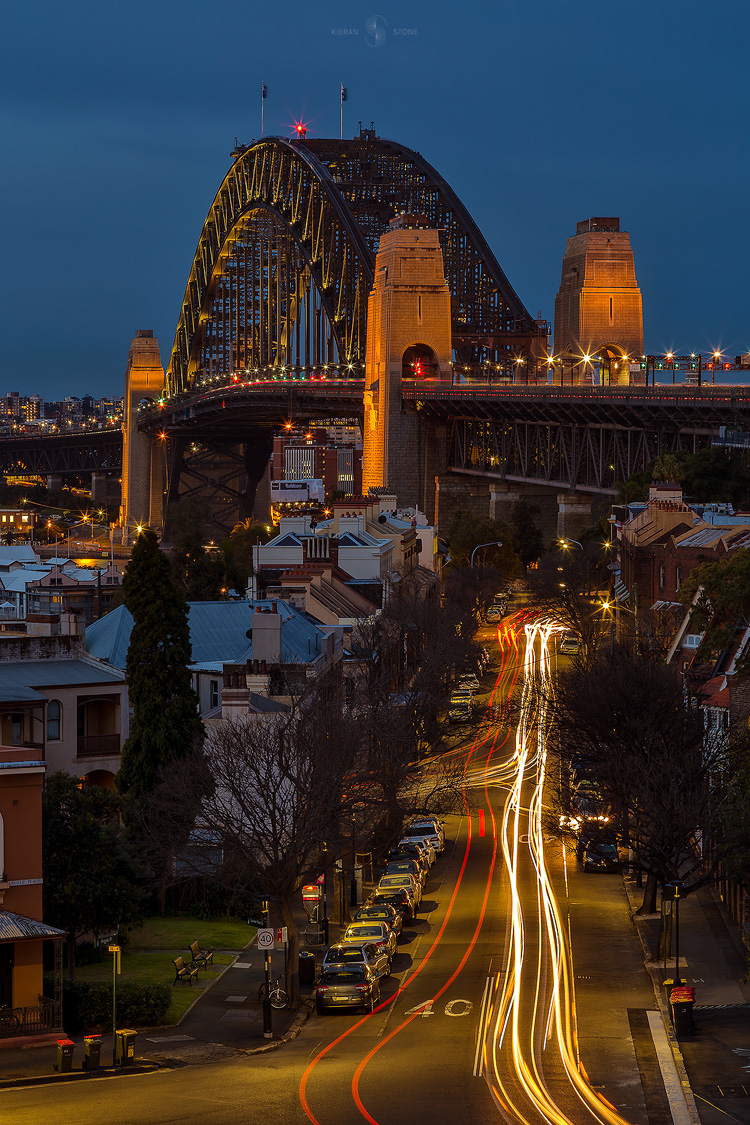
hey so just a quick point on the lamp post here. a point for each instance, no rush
(717, 357)
(479, 546)
(565, 543)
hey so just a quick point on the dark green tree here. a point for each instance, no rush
(469, 531)
(528, 538)
(166, 724)
(722, 602)
(238, 551)
(201, 573)
(91, 880)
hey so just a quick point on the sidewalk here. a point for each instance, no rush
(716, 1056)
(226, 1020)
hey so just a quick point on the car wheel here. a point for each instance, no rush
(388, 968)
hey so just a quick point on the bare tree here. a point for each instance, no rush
(625, 724)
(277, 799)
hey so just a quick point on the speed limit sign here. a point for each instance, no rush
(266, 939)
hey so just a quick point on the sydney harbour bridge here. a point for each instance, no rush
(273, 328)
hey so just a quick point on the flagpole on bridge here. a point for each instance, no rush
(343, 99)
(263, 93)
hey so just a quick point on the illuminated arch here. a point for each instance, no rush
(286, 256)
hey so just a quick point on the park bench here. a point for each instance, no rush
(183, 971)
(202, 958)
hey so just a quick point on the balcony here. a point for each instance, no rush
(98, 745)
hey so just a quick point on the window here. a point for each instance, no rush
(678, 577)
(611, 309)
(662, 576)
(54, 717)
(16, 727)
(213, 693)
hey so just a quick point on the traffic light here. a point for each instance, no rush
(693, 366)
(676, 366)
(727, 367)
(659, 365)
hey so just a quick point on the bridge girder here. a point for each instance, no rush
(285, 261)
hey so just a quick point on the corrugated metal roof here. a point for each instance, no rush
(16, 675)
(16, 927)
(218, 633)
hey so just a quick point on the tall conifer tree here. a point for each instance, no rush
(166, 724)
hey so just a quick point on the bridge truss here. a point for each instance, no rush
(286, 257)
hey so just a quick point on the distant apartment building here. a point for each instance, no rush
(314, 454)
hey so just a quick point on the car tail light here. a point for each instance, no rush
(381, 946)
(361, 988)
(323, 988)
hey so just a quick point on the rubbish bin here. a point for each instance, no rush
(64, 1062)
(92, 1052)
(124, 1048)
(682, 1000)
(306, 967)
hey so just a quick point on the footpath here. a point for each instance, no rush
(713, 1061)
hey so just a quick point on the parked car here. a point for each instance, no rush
(407, 867)
(377, 932)
(461, 713)
(430, 827)
(462, 696)
(362, 955)
(570, 644)
(344, 988)
(601, 855)
(469, 682)
(412, 885)
(381, 913)
(426, 843)
(399, 899)
(411, 849)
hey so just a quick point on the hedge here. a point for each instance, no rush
(87, 1005)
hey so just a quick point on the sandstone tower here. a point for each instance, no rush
(598, 306)
(408, 337)
(142, 458)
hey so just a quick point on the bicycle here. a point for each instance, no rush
(276, 994)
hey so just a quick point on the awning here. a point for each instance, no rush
(667, 605)
(17, 927)
(622, 593)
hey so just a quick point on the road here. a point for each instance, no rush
(478, 1021)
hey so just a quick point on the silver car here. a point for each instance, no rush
(408, 882)
(430, 827)
(379, 933)
(362, 955)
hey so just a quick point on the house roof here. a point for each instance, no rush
(16, 927)
(218, 633)
(19, 678)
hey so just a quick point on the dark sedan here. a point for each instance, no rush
(346, 988)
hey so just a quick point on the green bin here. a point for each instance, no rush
(92, 1052)
(64, 1062)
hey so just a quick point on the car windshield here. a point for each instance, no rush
(396, 881)
(346, 953)
(342, 976)
(389, 898)
(365, 931)
(416, 830)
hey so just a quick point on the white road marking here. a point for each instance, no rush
(482, 1031)
(672, 1085)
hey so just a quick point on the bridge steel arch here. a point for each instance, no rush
(286, 256)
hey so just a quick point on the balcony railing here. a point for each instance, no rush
(96, 745)
(32, 1020)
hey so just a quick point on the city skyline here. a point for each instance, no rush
(114, 151)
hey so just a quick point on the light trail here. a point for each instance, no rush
(532, 1018)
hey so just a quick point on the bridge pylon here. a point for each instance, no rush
(408, 338)
(143, 458)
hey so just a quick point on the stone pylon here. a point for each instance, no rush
(408, 338)
(143, 458)
(598, 308)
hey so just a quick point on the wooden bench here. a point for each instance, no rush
(202, 958)
(183, 971)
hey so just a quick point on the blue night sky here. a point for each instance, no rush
(118, 120)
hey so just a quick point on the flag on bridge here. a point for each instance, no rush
(263, 90)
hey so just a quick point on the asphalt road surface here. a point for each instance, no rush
(478, 1021)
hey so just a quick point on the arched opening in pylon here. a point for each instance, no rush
(419, 363)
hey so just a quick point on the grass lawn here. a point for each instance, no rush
(153, 946)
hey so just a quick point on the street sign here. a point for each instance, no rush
(265, 939)
(281, 935)
(113, 949)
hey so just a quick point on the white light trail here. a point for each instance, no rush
(533, 1013)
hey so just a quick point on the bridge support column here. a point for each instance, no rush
(574, 512)
(456, 493)
(140, 471)
(502, 499)
(408, 336)
(54, 482)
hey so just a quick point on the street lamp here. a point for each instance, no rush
(479, 547)
(717, 357)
